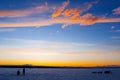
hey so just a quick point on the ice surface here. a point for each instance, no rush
(59, 74)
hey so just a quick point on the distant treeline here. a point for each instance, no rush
(31, 66)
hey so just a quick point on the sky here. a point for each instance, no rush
(60, 32)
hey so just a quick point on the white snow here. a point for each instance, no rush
(58, 74)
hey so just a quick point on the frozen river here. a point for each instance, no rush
(59, 74)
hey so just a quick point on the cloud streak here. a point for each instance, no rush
(52, 46)
(58, 46)
(40, 42)
(7, 30)
(116, 11)
(117, 31)
(74, 13)
(87, 19)
(94, 52)
(59, 10)
(24, 12)
(116, 37)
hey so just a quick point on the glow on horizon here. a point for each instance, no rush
(50, 57)
(61, 63)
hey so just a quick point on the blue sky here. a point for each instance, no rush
(85, 30)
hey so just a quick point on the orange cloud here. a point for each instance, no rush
(87, 19)
(68, 12)
(74, 13)
(59, 10)
(68, 16)
(116, 11)
(25, 12)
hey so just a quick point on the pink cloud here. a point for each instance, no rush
(25, 12)
(107, 20)
(87, 19)
(59, 16)
(97, 52)
(116, 11)
(14, 13)
(42, 7)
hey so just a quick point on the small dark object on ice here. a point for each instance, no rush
(93, 72)
(100, 72)
(18, 72)
(23, 71)
(107, 72)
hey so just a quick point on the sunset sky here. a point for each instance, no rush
(60, 32)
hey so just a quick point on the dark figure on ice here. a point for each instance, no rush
(23, 71)
(18, 72)
(107, 72)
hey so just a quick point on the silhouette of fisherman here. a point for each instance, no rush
(23, 71)
(18, 72)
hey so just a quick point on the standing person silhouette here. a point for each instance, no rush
(23, 71)
(18, 72)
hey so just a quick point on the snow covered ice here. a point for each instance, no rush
(59, 74)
